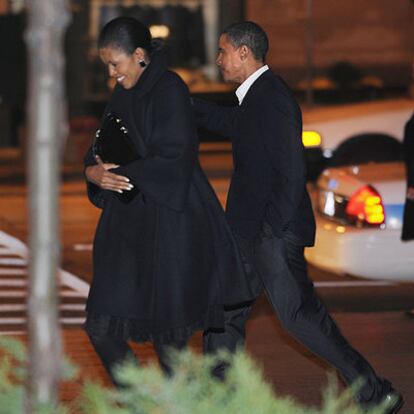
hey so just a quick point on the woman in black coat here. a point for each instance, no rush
(164, 263)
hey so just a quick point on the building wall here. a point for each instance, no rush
(375, 35)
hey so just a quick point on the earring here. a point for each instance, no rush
(142, 63)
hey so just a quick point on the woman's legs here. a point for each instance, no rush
(112, 352)
(163, 351)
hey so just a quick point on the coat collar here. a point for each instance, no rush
(265, 75)
(242, 90)
(151, 75)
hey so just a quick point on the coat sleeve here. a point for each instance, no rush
(282, 138)
(96, 194)
(165, 173)
(215, 118)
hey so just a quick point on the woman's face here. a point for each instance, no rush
(123, 67)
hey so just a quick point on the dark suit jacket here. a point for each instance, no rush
(269, 178)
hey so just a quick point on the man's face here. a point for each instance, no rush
(229, 61)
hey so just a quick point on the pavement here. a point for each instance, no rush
(385, 339)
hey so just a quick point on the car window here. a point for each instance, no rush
(367, 148)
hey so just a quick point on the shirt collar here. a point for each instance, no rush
(245, 86)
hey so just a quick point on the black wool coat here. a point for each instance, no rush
(165, 263)
(269, 178)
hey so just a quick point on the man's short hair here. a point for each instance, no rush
(251, 35)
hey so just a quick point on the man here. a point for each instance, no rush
(269, 210)
(408, 221)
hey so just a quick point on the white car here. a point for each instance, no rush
(354, 133)
(358, 210)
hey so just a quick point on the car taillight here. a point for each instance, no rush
(365, 206)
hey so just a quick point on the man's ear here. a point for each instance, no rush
(244, 52)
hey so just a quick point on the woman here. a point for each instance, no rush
(165, 263)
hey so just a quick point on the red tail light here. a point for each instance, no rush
(365, 205)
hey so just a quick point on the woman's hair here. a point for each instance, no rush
(126, 34)
(251, 35)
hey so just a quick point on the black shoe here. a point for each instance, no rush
(394, 401)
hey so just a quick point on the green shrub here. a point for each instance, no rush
(191, 390)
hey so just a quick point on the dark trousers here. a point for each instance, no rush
(278, 266)
(113, 352)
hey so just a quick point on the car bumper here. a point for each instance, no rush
(367, 252)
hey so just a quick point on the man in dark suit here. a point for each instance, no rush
(408, 146)
(269, 210)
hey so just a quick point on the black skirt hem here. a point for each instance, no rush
(133, 330)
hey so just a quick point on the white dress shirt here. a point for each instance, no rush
(245, 86)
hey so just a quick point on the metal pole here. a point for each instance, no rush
(47, 128)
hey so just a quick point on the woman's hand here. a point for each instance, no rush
(101, 175)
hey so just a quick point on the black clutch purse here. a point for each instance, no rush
(113, 145)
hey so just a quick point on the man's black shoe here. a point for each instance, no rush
(394, 401)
